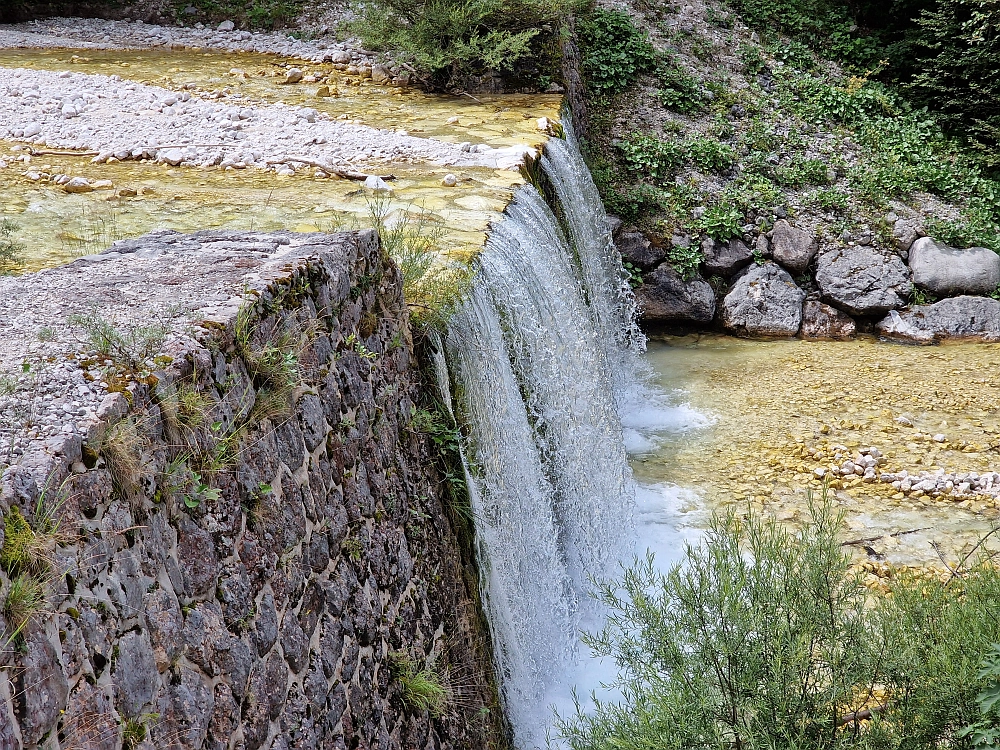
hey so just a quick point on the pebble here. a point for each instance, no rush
(449, 180)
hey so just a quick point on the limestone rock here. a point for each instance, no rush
(134, 673)
(725, 258)
(946, 270)
(226, 26)
(793, 248)
(969, 318)
(665, 297)
(45, 689)
(635, 248)
(904, 234)
(821, 321)
(862, 280)
(381, 74)
(294, 75)
(764, 301)
(78, 185)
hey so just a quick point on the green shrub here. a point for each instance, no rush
(764, 638)
(614, 50)
(448, 40)
(11, 251)
(753, 60)
(710, 154)
(793, 53)
(679, 90)
(721, 222)
(655, 159)
(985, 732)
(830, 199)
(799, 172)
(650, 157)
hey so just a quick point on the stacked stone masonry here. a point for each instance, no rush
(257, 574)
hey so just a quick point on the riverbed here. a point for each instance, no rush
(755, 423)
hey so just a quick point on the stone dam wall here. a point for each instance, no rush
(236, 534)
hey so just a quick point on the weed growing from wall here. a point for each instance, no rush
(423, 689)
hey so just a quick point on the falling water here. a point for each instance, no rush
(537, 354)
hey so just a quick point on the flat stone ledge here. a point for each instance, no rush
(50, 399)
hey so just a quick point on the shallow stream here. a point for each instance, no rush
(748, 423)
(57, 226)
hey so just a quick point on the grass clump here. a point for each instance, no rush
(423, 689)
(11, 250)
(432, 285)
(26, 598)
(122, 451)
(764, 638)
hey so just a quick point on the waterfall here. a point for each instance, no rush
(537, 354)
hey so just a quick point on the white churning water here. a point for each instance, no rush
(544, 357)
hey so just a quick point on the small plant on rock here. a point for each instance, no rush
(129, 346)
(423, 689)
(721, 222)
(11, 250)
(685, 260)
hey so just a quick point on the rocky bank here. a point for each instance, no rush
(231, 524)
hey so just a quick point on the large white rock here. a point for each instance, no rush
(947, 271)
(78, 185)
(968, 318)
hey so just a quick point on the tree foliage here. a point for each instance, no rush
(450, 39)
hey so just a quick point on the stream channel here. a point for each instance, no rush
(720, 421)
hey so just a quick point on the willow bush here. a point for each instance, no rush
(764, 638)
(448, 40)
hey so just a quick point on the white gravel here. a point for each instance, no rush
(95, 33)
(130, 120)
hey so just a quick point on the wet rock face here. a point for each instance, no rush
(969, 318)
(764, 301)
(863, 281)
(263, 613)
(821, 321)
(665, 297)
(945, 270)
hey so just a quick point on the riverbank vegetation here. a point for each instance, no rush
(715, 121)
(766, 638)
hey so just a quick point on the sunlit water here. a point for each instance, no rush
(57, 226)
(496, 120)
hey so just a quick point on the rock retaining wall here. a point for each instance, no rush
(236, 534)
